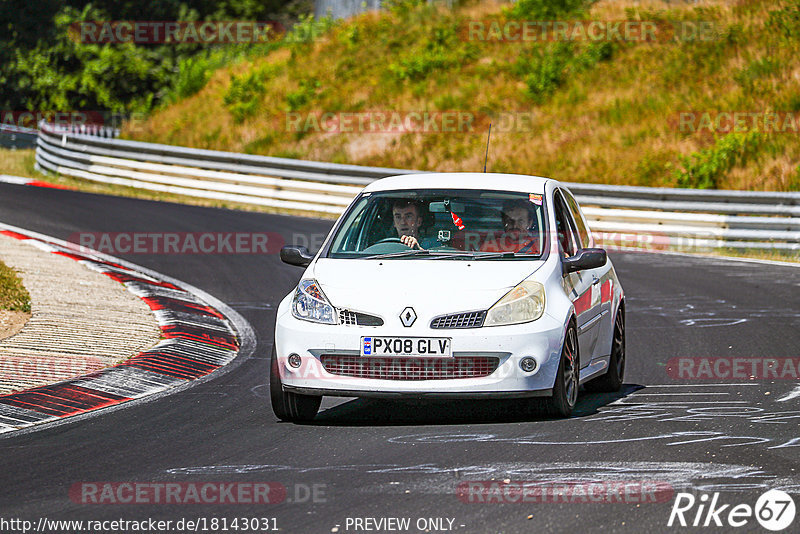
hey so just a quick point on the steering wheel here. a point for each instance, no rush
(389, 240)
(387, 245)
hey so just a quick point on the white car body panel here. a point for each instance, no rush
(417, 283)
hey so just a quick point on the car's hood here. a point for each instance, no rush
(431, 287)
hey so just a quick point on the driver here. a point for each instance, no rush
(407, 221)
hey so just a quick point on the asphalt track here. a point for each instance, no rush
(381, 459)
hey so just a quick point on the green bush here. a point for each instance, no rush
(246, 91)
(785, 22)
(703, 169)
(547, 9)
(546, 69)
(45, 66)
(440, 50)
(195, 71)
(67, 74)
(306, 92)
(748, 78)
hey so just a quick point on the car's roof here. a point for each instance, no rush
(461, 180)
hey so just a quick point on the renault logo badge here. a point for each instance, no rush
(408, 316)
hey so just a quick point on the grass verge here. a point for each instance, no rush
(13, 295)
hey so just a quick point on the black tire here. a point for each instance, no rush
(565, 390)
(612, 380)
(289, 406)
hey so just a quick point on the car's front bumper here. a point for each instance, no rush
(541, 339)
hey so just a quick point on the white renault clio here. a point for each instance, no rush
(458, 285)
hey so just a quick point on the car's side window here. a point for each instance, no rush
(583, 231)
(564, 227)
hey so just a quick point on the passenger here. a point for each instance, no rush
(518, 234)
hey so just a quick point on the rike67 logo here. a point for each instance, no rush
(774, 510)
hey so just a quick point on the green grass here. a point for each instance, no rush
(760, 254)
(13, 295)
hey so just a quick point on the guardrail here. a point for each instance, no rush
(17, 136)
(617, 214)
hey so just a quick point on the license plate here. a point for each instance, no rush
(405, 346)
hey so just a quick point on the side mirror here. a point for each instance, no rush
(588, 258)
(298, 256)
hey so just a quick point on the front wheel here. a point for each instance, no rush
(565, 390)
(289, 406)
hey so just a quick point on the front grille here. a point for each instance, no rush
(347, 317)
(409, 368)
(460, 320)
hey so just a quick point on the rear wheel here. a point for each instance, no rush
(565, 390)
(289, 406)
(612, 380)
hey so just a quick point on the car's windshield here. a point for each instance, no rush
(443, 224)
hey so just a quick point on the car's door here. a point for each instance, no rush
(601, 279)
(577, 285)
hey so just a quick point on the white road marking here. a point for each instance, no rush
(704, 322)
(794, 442)
(678, 403)
(18, 180)
(680, 394)
(791, 395)
(699, 385)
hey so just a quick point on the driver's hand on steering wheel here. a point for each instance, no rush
(410, 241)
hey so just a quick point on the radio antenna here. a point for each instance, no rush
(486, 159)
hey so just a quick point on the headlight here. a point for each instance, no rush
(522, 304)
(311, 304)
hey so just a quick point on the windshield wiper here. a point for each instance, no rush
(437, 254)
(492, 255)
(444, 255)
(402, 253)
(452, 255)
